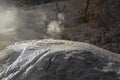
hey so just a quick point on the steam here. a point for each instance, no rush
(7, 18)
(17, 24)
(8, 25)
(56, 27)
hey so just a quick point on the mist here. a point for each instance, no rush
(8, 24)
(28, 23)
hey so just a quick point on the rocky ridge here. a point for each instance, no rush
(58, 60)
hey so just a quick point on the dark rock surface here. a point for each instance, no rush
(107, 39)
(25, 2)
(104, 31)
(58, 60)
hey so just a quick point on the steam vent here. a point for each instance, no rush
(59, 39)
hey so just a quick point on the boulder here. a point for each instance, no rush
(49, 59)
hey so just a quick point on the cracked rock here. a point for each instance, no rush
(58, 60)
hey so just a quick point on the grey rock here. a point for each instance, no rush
(99, 36)
(103, 31)
(58, 60)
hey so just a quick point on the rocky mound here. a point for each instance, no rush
(58, 60)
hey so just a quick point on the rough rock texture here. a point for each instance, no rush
(58, 60)
(104, 30)
(107, 39)
(19, 3)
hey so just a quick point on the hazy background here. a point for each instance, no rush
(29, 19)
(20, 21)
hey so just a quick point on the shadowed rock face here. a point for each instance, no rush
(25, 2)
(58, 60)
